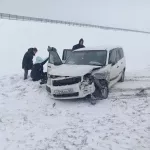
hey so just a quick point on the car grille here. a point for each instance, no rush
(66, 95)
(67, 81)
(55, 76)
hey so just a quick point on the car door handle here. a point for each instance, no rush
(117, 66)
(49, 66)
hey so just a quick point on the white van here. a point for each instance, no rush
(85, 72)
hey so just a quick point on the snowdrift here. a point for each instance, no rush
(29, 119)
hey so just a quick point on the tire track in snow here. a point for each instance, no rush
(30, 121)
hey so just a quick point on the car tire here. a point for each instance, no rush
(122, 76)
(103, 92)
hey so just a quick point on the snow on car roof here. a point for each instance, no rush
(108, 48)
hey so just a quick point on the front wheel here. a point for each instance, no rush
(104, 90)
(122, 76)
(101, 91)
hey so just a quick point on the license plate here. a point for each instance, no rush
(65, 91)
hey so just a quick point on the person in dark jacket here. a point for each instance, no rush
(37, 70)
(27, 61)
(79, 45)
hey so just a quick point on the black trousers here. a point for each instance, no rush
(25, 74)
(44, 76)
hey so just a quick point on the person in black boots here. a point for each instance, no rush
(37, 70)
(79, 45)
(27, 61)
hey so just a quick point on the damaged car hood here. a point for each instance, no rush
(72, 70)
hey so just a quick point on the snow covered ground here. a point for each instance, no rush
(29, 120)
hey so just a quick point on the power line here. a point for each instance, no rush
(26, 18)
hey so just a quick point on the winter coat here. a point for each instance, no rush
(27, 61)
(37, 69)
(77, 46)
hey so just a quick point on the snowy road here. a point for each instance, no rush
(28, 120)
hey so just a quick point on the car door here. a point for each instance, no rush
(120, 60)
(54, 59)
(114, 71)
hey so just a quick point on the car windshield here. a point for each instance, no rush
(88, 57)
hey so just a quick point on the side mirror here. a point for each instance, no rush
(57, 63)
(112, 63)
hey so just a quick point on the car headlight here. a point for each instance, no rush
(88, 78)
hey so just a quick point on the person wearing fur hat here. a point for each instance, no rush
(79, 45)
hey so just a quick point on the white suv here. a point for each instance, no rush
(85, 72)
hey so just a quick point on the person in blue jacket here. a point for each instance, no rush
(37, 70)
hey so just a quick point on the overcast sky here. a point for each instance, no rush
(132, 14)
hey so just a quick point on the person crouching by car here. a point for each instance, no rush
(27, 61)
(37, 70)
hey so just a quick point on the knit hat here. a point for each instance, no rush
(38, 60)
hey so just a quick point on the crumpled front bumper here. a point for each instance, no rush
(78, 90)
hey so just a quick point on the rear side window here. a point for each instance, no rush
(120, 52)
(112, 56)
(118, 55)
